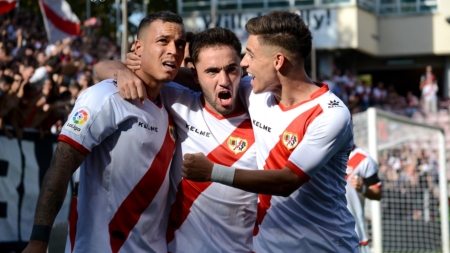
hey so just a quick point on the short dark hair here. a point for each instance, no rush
(53, 61)
(6, 79)
(189, 36)
(283, 29)
(165, 16)
(213, 37)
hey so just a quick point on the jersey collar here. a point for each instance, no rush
(323, 89)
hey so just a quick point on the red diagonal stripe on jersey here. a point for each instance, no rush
(354, 162)
(279, 154)
(73, 220)
(141, 196)
(188, 191)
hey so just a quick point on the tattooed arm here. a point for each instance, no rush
(53, 191)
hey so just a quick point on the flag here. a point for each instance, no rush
(60, 22)
(7, 5)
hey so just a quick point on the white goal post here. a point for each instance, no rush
(418, 213)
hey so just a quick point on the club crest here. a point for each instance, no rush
(290, 140)
(237, 145)
(172, 132)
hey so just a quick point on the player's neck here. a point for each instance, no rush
(296, 88)
(152, 86)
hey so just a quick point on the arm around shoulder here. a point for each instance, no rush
(108, 69)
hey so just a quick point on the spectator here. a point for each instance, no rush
(8, 101)
(412, 104)
(429, 96)
(427, 78)
(364, 93)
(85, 80)
(340, 91)
(349, 79)
(325, 79)
(42, 73)
(379, 94)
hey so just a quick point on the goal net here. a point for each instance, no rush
(413, 213)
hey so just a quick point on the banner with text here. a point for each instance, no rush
(23, 164)
(321, 22)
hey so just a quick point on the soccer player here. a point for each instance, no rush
(208, 217)
(125, 151)
(362, 178)
(303, 134)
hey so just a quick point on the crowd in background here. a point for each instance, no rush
(410, 177)
(359, 94)
(40, 81)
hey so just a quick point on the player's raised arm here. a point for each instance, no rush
(53, 191)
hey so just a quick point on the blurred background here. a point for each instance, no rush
(392, 55)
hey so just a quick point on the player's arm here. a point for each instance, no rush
(367, 181)
(373, 192)
(130, 86)
(197, 167)
(53, 192)
(369, 187)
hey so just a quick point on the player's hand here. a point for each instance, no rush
(196, 167)
(133, 61)
(356, 182)
(36, 247)
(130, 85)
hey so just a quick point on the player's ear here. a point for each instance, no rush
(195, 75)
(279, 61)
(138, 46)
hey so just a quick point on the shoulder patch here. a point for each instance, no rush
(78, 120)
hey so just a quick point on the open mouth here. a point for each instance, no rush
(170, 65)
(224, 95)
(253, 78)
(225, 98)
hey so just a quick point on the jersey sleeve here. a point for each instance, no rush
(327, 135)
(370, 172)
(175, 93)
(94, 117)
(245, 90)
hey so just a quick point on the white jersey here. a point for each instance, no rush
(124, 180)
(362, 165)
(210, 217)
(313, 139)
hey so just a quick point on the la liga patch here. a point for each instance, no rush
(78, 121)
